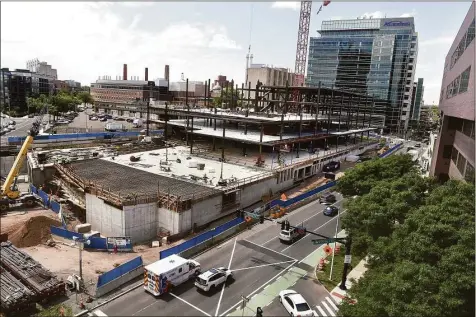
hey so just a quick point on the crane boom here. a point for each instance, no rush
(302, 42)
(7, 190)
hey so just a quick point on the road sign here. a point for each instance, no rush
(348, 259)
(322, 241)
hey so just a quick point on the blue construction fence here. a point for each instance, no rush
(46, 199)
(75, 136)
(292, 201)
(97, 243)
(119, 271)
(200, 238)
(391, 150)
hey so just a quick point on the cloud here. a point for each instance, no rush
(83, 49)
(286, 5)
(442, 40)
(408, 15)
(374, 15)
(135, 4)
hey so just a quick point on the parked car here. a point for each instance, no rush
(93, 118)
(331, 166)
(327, 198)
(120, 119)
(103, 119)
(295, 304)
(331, 211)
(11, 127)
(63, 121)
(130, 119)
(5, 130)
(31, 115)
(213, 278)
(12, 122)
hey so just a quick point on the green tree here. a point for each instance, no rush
(63, 102)
(85, 97)
(228, 99)
(378, 213)
(426, 266)
(363, 177)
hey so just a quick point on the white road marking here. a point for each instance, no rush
(263, 265)
(307, 205)
(332, 303)
(142, 309)
(270, 249)
(223, 286)
(331, 312)
(316, 230)
(323, 313)
(191, 305)
(256, 290)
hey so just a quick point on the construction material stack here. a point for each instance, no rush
(31, 273)
(14, 295)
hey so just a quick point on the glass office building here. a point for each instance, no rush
(373, 56)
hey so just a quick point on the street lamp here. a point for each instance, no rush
(80, 242)
(335, 244)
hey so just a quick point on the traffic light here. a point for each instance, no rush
(261, 219)
(259, 312)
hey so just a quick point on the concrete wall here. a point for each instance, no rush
(41, 175)
(140, 221)
(206, 210)
(253, 193)
(106, 219)
(168, 220)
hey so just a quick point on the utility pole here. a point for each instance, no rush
(335, 244)
(244, 300)
(80, 242)
(347, 261)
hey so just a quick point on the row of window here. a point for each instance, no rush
(463, 44)
(464, 167)
(459, 84)
(462, 125)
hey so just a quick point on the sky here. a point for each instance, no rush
(199, 39)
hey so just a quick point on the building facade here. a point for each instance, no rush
(453, 156)
(269, 76)
(417, 100)
(369, 56)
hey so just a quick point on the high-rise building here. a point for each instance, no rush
(269, 76)
(417, 100)
(453, 155)
(370, 56)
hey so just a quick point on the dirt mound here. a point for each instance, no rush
(34, 231)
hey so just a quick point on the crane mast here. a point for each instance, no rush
(302, 43)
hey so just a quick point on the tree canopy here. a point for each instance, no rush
(419, 238)
(364, 176)
(61, 102)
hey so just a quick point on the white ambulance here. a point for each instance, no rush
(160, 276)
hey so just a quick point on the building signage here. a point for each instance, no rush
(120, 242)
(397, 23)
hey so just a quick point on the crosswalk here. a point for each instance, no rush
(327, 308)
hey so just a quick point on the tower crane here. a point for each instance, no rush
(302, 42)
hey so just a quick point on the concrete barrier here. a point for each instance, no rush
(118, 282)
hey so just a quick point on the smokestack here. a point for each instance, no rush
(166, 74)
(124, 72)
(146, 74)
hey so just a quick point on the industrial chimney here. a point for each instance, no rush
(146, 74)
(166, 74)
(124, 72)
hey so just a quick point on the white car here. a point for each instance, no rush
(11, 127)
(295, 304)
(93, 118)
(213, 278)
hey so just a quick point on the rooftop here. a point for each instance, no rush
(178, 165)
(125, 180)
(166, 264)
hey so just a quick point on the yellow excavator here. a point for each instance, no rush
(10, 195)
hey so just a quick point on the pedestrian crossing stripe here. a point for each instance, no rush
(327, 308)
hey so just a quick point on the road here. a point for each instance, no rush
(257, 258)
(22, 127)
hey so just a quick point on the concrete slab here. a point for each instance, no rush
(164, 162)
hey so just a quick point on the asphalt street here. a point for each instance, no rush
(21, 128)
(257, 258)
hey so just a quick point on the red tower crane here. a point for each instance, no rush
(302, 41)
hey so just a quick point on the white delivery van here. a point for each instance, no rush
(137, 123)
(171, 271)
(114, 126)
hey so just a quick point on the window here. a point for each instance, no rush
(455, 124)
(470, 34)
(469, 173)
(454, 155)
(447, 151)
(464, 80)
(460, 164)
(468, 127)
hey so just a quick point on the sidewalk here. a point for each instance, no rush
(357, 272)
